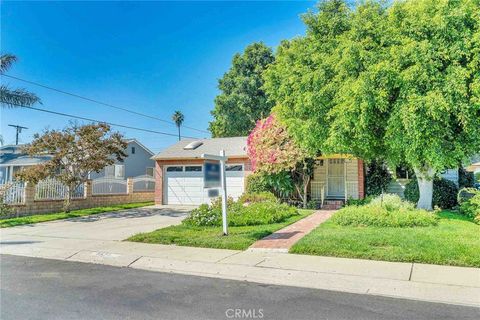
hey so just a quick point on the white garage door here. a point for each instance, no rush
(184, 184)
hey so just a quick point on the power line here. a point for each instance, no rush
(99, 102)
(100, 121)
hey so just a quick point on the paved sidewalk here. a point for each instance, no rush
(432, 283)
(283, 239)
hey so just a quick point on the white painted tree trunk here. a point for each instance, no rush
(425, 177)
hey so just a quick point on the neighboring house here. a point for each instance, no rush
(12, 159)
(401, 178)
(474, 165)
(138, 162)
(179, 176)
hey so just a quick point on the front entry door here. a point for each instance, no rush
(336, 178)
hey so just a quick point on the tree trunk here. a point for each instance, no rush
(305, 191)
(68, 200)
(425, 177)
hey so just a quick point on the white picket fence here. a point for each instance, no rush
(14, 193)
(52, 189)
(104, 186)
(143, 183)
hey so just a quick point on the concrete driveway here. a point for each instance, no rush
(81, 232)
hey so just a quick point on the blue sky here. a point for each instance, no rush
(153, 57)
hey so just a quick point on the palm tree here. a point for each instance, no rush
(178, 118)
(11, 98)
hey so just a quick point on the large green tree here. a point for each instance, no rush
(400, 83)
(242, 100)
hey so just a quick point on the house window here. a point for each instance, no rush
(149, 171)
(133, 150)
(336, 161)
(175, 169)
(116, 171)
(110, 171)
(236, 167)
(119, 171)
(193, 168)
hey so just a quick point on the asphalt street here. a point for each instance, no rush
(33, 288)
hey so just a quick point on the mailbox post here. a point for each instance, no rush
(222, 183)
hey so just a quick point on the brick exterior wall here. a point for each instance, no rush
(32, 206)
(158, 182)
(361, 179)
(160, 164)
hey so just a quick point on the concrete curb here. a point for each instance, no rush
(442, 284)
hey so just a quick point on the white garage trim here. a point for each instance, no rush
(183, 183)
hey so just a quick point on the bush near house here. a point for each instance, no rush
(5, 209)
(377, 178)
(256, 183)
(385, 211)
(281, 184)
(466, 194)
(469, 200)
(444, 193)
(257, 197)
(359, 202)
(255, 213)
(465, 179)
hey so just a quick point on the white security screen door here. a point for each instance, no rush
(336, 178)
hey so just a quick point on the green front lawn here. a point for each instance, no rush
(239, 238)
(12, 222)
(454, 241)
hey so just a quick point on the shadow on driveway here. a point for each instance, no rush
(18, 242)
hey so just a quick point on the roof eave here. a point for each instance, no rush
(157, 158)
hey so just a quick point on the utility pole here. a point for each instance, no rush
(19, 130)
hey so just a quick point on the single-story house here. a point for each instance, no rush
(178, 169)
(179, 176)
(138, 162)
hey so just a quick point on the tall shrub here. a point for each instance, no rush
(273, 151)
(465, 179)
(377, 178)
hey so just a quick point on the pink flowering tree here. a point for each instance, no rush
(271, 150)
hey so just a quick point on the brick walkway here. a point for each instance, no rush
(283, 239)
